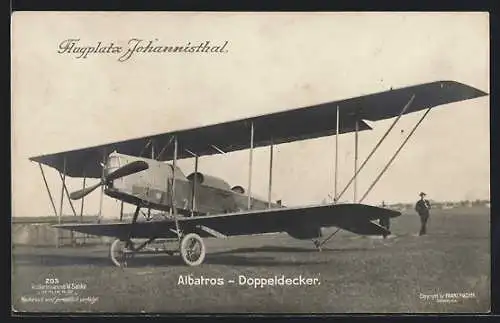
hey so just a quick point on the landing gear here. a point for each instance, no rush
(190, 246)
(119, 253)
(317, 244)
(192, 249)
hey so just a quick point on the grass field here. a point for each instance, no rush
(404, 273)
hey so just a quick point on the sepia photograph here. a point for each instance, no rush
(250, 162)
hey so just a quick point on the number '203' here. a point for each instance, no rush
(51, 281)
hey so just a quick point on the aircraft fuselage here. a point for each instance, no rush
(156, 188)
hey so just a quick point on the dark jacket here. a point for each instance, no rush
(422, 207)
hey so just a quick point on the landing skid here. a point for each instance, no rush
(319, 244)
(191, 249)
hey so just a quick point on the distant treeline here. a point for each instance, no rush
(52, 219)
(442, 205)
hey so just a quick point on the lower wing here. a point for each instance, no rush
(357, 218)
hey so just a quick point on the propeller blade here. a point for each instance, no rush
(81, 193)
(131, 168)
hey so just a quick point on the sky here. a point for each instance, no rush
(274, 62)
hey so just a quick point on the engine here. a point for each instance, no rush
(238, 189)
(207, 180)
(305, 232)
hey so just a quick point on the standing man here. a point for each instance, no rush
(422, 207)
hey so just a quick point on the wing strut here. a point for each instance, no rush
(250, 160)
(174, 206)
(377, 145)
(190, 152)
(67, 193)
(48, 189)
(271, 149)
(356, 139)
(145, 147)
(65, 189)
(395, 154)
(164, 147)
(335, 197)
(102, 186)
(61, 201)
(121, 211)
(82, 206)
(356, 170)
(195, 184)
(218, 149)
(83, 199)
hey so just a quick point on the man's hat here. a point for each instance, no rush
(422, 194)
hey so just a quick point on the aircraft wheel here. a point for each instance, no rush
(192, 249)
(118, 253)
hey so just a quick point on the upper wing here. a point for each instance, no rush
(286, 126)
(352, 217)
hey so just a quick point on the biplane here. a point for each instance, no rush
(198, 206)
